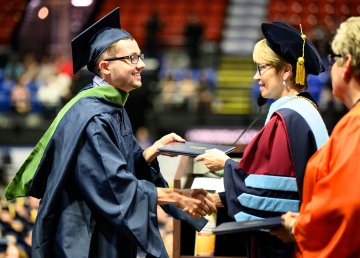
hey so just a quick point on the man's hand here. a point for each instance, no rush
(197, 202)
(169, 138)
(152, 152)
(213, 159)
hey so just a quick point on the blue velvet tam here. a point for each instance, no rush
(288, 43)
(92, 42)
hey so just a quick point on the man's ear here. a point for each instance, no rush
(347, 71)
(104, 67)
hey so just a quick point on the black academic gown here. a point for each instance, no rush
(98, 194)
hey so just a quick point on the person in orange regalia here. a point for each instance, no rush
(328, 223)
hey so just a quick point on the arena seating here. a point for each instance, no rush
(11, 13)
(172, 15)
(326, 13)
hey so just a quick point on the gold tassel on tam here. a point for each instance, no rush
(300, 65)
(300, 71)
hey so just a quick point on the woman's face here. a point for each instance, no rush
(270, 81)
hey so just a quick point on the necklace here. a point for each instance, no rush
(309, 100)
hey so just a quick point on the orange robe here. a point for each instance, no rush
(329, 222)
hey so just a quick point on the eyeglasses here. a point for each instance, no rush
(331, 58)
(134, 59)
(261, 68)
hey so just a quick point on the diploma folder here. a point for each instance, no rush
(249, 225)
(193, 149)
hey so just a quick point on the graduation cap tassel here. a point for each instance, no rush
(300, 66)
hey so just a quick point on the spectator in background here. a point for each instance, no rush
(31, 68)
(50, 97)
(328, 222)
(189, 92)
(205, 97)
(193, 37)
(5, 160)
(64, 65)
(152, 27)
(3, 246)
(20, 98)
(16, 225)
(320, 36)
(20, 104)
(55, 92)
(13, 68)
(47, 69)
(26, 240)
(169, 92)
(320, 86)
(14, 251)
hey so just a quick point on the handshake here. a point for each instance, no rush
(195, 202)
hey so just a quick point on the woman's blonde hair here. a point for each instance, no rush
(263, 54)
(347, 41)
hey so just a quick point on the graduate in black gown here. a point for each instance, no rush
(99, 189)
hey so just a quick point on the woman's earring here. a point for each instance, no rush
(284, 82)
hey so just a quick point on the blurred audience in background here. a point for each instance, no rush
(34, 86)
(16, 221)
(152, 29)
(193, 38)
(40, 87)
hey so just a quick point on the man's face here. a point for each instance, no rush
(125, 75)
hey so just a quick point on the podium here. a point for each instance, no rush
(226, 246)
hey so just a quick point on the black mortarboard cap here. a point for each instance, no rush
(92, 42)
(288, 42)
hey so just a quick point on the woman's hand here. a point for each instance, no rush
(195, 202)
(198, 203)
(285, 233)
(213, 159)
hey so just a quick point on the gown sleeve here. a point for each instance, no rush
(104, 177)
(151, 172)
(267, 154)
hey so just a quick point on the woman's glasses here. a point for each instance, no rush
(331, 58)
(261, 68)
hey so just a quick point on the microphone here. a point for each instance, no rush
(260, 101)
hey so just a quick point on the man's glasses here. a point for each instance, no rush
(261, 68)
(134, 59)
(331, 58)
